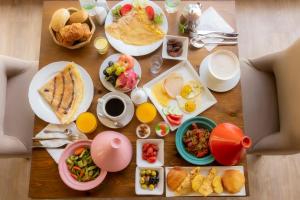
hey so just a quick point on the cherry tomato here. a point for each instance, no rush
(125, 9)
(172, 121)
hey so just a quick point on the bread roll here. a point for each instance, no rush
(175, 177)
(79, 17)
(71, 33)
(59, 19)
(86, 32)
(233, 181)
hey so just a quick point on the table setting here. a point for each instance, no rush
(139, 97)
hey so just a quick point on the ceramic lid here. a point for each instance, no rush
(228, 144)
(111, 151)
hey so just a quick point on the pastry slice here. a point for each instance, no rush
(64, 93)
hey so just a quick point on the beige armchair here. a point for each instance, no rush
(16, 117)
(271, 101)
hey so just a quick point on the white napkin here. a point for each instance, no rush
(211, 20)
(56, 153)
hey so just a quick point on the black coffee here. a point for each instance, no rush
(114, 107)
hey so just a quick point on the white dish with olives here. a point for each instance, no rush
(149, 180)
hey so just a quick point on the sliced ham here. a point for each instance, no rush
(173, 85)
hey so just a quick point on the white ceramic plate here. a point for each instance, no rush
(133, 49)
(188, 73)
(130, 112)
(139, 152)
(136, 68)
(159, 190)
(40, 107)
(204, 171)
(185, 47)
(214, 85)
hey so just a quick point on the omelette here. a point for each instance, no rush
(135, 29)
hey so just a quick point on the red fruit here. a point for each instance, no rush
(144, 157)
(145, 147)
(149, 151)
(150, 12)
(154, 153)
(155, 147)
(172, 121)
(125, 9)
(163, 129)
(151, 159)
(175, 117)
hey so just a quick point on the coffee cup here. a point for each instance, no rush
(223, 65)
(113, 107)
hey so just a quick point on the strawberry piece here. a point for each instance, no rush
(149, 151)
(150, 12)
(144, 156)
(151, 159)
(155, 147)
(125, 9)
(145, 147)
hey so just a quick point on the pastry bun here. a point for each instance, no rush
(233, 181)
(175, 177)
(59, 19)
(79, 17)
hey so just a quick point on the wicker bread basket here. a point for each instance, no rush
(77, 45)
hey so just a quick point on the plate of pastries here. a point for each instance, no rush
(71, 28)
(205, 181)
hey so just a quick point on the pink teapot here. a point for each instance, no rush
(111, 151)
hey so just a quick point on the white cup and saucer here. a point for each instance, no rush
(220, 71)
(115, 110)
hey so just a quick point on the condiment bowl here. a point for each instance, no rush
(202, 122)
(185, 47)
(66, 175)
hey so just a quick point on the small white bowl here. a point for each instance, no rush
(185, 47)
(159, 190)
(139, 152)
(145, 136)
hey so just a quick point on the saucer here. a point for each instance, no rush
(130, 112)
(215, 85)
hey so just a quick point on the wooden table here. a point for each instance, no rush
(45, 181)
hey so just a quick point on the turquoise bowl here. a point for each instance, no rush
(202, 122)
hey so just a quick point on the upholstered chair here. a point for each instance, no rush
(271, 101)
(16, 117)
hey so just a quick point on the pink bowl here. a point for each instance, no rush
(66, 175)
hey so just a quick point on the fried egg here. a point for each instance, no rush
(191, 89)
(186, 105)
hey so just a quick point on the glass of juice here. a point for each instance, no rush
(101, 44)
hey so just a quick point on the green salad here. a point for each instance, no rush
(81, 165)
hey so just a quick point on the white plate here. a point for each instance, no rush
(204, 171)
(136, 68)
(130, 112)
(133, 49)
(159, 190)
(41, 108)
(188, 73)
(185, 47)
(217, 86)
(139, 152)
